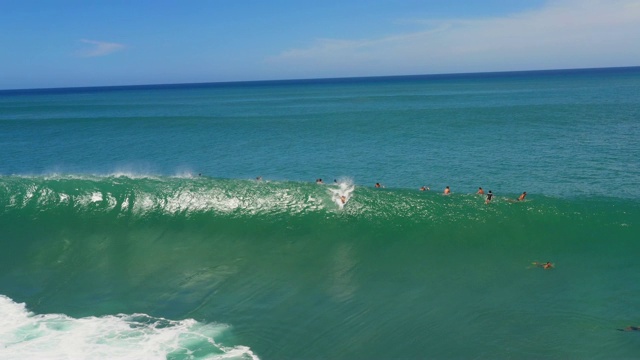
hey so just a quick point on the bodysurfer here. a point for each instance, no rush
(521, 198)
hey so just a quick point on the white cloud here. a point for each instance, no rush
(99, 48)
(562, 34)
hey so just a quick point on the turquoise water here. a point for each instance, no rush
(132, 225)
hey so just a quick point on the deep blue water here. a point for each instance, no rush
(557, 133)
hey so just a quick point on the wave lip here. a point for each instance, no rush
(147, 196)
(24, 334)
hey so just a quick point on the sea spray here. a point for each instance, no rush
(341, 192)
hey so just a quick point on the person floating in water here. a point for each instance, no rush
(378, 185)
(424, 188)
(480, 191)
(343, 199)
(548, 265)
(489, 197)
(521, 198)
(631, 328)
(447, 191)
(319, 181)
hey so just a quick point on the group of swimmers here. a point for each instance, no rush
(447, 191)
(490, 195)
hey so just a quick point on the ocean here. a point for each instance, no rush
(186, 221)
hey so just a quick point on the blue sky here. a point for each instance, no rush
(66, 43)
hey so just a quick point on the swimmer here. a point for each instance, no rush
(631, 328)
(447, 191)
(424, 188)
(378, 185)
(489, 197)
(480, 191)
(548, 265)
(259, 178)
(343, 199)
(319, 181)
(521, 198)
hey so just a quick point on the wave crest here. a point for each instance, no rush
(179, 197)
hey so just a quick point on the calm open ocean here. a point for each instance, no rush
(132, 224)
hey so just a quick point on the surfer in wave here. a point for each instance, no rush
(341, 195)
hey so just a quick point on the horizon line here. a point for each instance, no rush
(321, 79)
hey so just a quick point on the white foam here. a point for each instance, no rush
(64, 198)
(176, 197)
(96, 197)
(125, 204)
(25, 335)
(29, 194)
(184, 173)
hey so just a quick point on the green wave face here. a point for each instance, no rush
(260, 254)
(119, 207)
